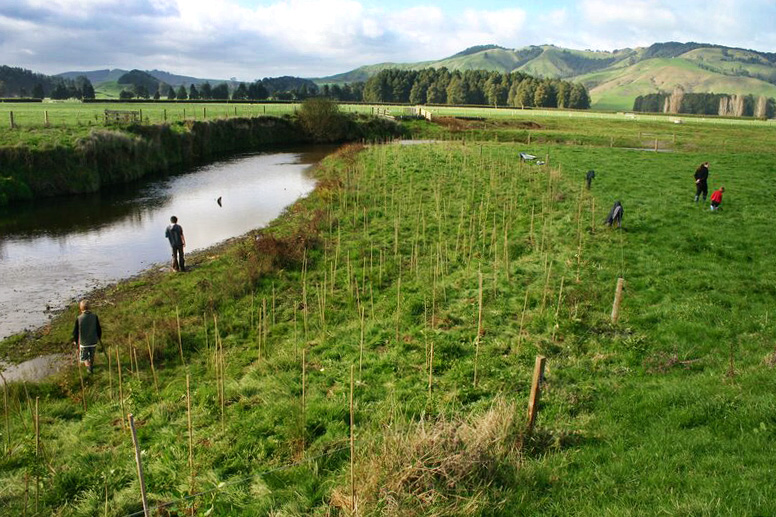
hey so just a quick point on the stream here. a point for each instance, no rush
(53, 251)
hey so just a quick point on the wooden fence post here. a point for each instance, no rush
(536, 387)
(617, 300)
(12, 123)
(46, 118)
(139, 462)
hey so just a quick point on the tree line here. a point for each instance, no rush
(442, 86)
(19, 82)
(722, 104)
(277, 88)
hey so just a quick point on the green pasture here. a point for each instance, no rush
(73, 113)
(436, 273)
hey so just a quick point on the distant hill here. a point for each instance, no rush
(108, 75)
(107, 82)
(96, 76)
(614, 78)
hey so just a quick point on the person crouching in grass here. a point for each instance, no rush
(86, 334)
(716, 198)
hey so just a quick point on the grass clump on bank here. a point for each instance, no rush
(382, 269)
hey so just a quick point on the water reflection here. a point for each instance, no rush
(55, 250)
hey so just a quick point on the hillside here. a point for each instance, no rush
(614, 78)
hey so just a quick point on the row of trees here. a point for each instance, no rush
(441, 86)
(722, 104)
(19, 82)
(280, 88)
(429, 86)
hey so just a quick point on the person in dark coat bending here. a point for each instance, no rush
(615, 215)
(87, 333)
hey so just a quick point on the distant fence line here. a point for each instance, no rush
(63, 114)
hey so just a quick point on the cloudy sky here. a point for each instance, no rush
(251, 39)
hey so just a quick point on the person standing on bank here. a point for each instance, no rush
(86, 334)
(701, 181)
(174, 234)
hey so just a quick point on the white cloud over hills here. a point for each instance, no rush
(250, 40)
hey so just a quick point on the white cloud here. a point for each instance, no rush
(212, 38)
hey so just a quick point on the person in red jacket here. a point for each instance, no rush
(716, 198)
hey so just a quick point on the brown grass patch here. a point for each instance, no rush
(442, 467)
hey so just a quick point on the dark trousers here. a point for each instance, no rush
(178, 263)
(701, 188)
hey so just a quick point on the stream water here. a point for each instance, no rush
(55, 250)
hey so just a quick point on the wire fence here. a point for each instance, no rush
(65, 114)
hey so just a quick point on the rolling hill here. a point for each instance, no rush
(614, 78)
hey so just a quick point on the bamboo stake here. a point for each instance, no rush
(546, 286)
(352, 449)
(304, 419)
(617, 300)
(151, 359)
(110, 374)
(6, 414)
(259, 335)
(139, 463)
(430, 370)
(479, 329)
(37, 453)
(536, 382)
(131, 361)
(121, 387)
(361, 346)
(204, 326)
(522, 320)
(191, 432)
(180, 341)
(265, 323)
(398, 306)
(137, 365)
(557, 308)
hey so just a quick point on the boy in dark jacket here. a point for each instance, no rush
(86, 334)
(174, 234)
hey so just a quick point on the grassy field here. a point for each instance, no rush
(436, 273)
(71, 121)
